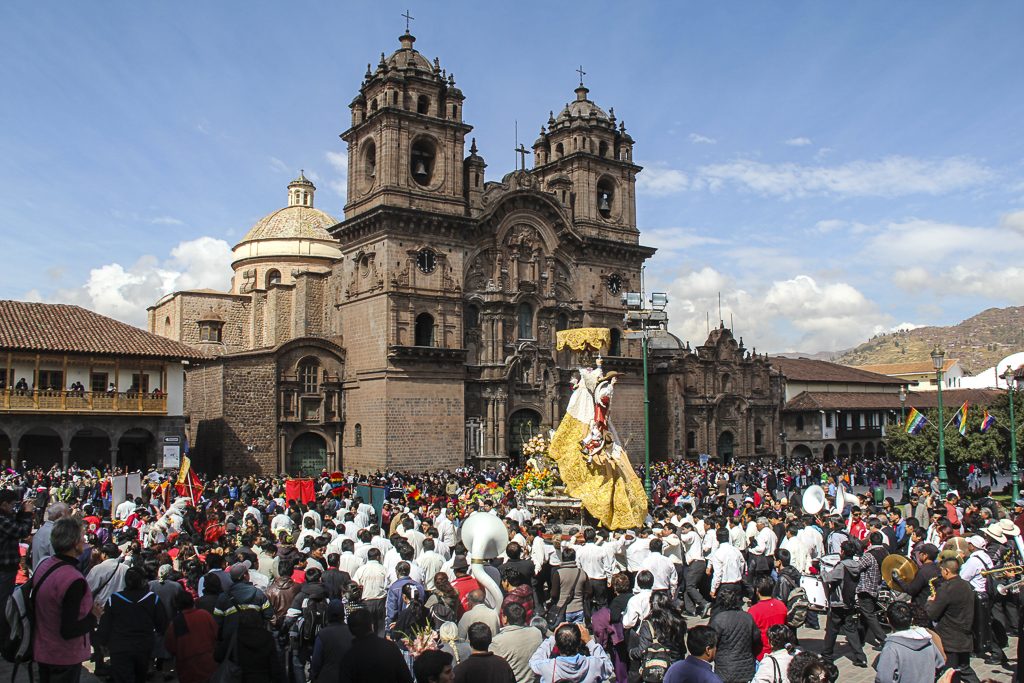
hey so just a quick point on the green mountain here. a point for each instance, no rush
(978, 342)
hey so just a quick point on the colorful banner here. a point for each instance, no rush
(302, 490)
(915, 422)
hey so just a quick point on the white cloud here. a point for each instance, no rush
(830, 225)
(278, 165)
(125, 294)
(694, 138)
(340, 163)
(671, 239)
(793, 314)
(1014, 221)
(166, 220)
(1006, 284)
(661, 181)
(798, 142)
(891, 177)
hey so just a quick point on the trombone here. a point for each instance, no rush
(1002, 570)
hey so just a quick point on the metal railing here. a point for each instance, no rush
(48, 400)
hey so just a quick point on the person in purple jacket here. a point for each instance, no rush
(702, 644)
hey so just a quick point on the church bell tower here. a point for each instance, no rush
(405, 146)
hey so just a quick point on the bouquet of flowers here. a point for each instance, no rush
(536, 447)
(421, 640)
(490, 490)
(532, 481)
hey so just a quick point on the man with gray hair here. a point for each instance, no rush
(41, 548)
(64, 608)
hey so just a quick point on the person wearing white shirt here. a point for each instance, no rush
(661, 568)
(596, 563)
(765, 542)
(696, 567)
(125, 509)
(977, 562)
(371, 577)
(636, 552)
(800, 556)
(812, 538)
(430, 562)
(737, 537)
(639, 606)
(446, 528)
(726, 569)
(349, 562)
(281, 522)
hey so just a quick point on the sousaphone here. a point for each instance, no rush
(903, 566)
(813, 500)
(840, 501)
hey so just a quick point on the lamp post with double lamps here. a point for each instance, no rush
(939, 362)
(903, 425)
(1015, 475)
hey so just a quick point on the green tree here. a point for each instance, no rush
(993, 445)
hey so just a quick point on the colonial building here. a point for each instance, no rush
(920, 376)
(420, 330)
(716, 400)
(78, 387)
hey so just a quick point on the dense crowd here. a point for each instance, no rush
(334, 585)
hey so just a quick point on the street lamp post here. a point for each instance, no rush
(1008, 376)
(939, 362)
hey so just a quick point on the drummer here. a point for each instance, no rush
(920, 587)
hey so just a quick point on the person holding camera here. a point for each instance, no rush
(571, 654)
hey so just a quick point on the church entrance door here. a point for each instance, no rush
(725, 448)
(309, 455)
(523, 425)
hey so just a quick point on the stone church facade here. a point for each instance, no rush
(419, 332)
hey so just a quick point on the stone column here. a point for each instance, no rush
(489, 428)
(65, 457)
(113, 457)
(501, 450)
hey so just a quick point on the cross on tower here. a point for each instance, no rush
(582, 73)
(522, 152)
(407, 18)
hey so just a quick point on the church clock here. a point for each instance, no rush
(614, 284)
(426, 260)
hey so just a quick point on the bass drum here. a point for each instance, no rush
(817, 598)
(829, 562)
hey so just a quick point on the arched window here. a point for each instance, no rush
(309, 376)
(602, 149)
(605, 197)
(167, 325)
(421, 162)
(370, 157)
(757, 437)
(615, 347)
(373, 105)
(559, 152)
(424, 334)
(359, 435)
(525, 321)
(472, 316)
(725, 383)
(561, 322)
(274, 277)
(691, 439)
(423, 105)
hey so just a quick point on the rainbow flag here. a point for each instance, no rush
(960, 419)
(987, 422)
(915, 421)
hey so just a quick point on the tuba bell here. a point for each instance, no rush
(840, 501)
(813, 500)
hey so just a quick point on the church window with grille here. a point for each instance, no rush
(757, 437)
(424, 333)
(472, 316)
(691, 439)
(359, 435)
(615, 347)
(309, 377)
(274, 277)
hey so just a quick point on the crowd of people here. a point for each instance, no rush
(327, 587)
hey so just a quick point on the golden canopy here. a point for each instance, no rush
(586, 339)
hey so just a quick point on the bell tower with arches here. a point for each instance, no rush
(407, 137)
(588, 162)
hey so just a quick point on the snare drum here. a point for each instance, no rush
(829, 562)
(817, 598)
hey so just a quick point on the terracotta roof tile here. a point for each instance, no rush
(951, 400)
(808, 370)
(60, 328)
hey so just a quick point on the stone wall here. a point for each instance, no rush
(425, 423)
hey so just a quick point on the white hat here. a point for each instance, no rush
(995, 532)
(977, 541)
(1009, 528)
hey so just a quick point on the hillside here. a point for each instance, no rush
(979, 342)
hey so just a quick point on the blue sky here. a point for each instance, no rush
(833, 169)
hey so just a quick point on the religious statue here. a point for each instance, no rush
(592, 461)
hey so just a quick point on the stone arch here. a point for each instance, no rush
(727, 442)
(856, 450)
(829, 453)
(869, 449)
(844, 450)
(523, 425)
(135, 449)
(880, 451)
(424, 330)
(801, 451)
(309, 452)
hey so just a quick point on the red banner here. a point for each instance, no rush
(191, 488)
(302, 490)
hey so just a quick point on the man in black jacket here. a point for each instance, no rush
(952, 609)
(919, 589)
(371, 659)
(15, 525)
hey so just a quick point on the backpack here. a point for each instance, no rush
(312, 619)
(656, 660)
(796, 607)
(20, 613)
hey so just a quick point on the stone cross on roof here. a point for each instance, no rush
(407, 18)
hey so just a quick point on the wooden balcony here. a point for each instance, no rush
(49, 401)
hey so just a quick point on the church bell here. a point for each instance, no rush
(420, 171)
(603, 205)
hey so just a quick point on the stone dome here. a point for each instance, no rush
(666, 342)
(582, 108)
(408, 56)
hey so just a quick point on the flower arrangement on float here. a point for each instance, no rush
(532, 482)
(420, 640)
